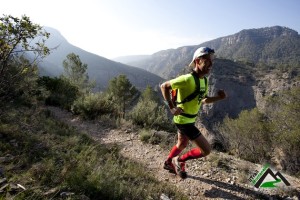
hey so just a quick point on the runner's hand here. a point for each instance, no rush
(176, 111)
(221, 94)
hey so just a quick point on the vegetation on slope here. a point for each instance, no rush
(272, 136)
(48, 158)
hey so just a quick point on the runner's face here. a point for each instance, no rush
(205, 63)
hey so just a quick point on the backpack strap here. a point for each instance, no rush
(195, 94)
(197, 89)
(188, 115)
(206, 87)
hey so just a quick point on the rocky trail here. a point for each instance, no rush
(219, 176)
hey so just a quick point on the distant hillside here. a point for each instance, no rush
(130, 60)
(99, 68)
(272, 46)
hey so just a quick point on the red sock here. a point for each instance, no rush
(174, 152)
(192, 154)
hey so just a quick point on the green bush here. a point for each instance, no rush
(148, 114)
(93, 105)
(145, 135)
(20, 85)
(284, 114)
(248, 136)
(61, 92)
(161, 138)
(288, 144)
(273, 136)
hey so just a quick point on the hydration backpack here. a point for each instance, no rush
(193, 95)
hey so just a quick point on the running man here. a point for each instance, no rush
(185, 113)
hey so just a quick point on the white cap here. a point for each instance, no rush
(201, 52)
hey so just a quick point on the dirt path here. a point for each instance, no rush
(217, 177)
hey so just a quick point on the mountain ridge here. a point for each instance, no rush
(99, 68)
(266, 45)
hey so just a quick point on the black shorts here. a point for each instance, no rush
(189, 130)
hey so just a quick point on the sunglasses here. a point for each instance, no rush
(208, 50)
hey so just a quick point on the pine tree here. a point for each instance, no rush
(122, 93)
(75, 72)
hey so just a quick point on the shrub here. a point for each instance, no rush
(273, 136)
(93, 105)
(284, 113)
(61, 92)
(161, 138)
(248, 136)
(148, 114)
(289, 144)
(145, 135)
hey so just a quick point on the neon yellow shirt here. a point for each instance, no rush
(186, 86)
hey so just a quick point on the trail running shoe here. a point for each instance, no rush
(168, 165)
(179, 167)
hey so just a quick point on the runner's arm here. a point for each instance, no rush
(166, 92)
(221, 95)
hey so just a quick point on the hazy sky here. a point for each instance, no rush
(112, 28)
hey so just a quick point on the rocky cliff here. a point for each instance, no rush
(270, 45)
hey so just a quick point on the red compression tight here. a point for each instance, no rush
(174, 152)
(192, 154)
